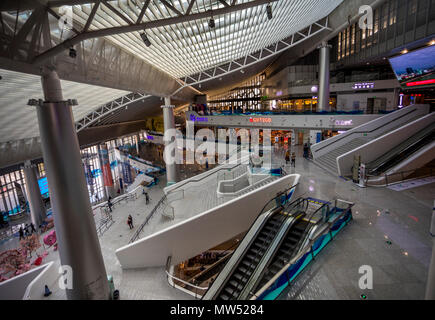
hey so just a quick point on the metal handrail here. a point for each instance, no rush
(169, 275)
(430, 172)
(147, 219)
(299, 254)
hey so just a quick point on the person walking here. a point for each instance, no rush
(32, 228)
(109, 203)
(21, 233)
(287, 157)
(130, 221)
(293, 160)
(147, 198)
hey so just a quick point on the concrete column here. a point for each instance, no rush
(100, 161)
(37, 207)
(78, 244)
(323, 102)
(169, 123)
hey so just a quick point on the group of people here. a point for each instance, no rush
(26, 231)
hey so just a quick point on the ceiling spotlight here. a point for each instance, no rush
(242, 71)
(72, 52)
(404, 51)
(432, 43)
(269, 11)
(145, 39)
(211, 23)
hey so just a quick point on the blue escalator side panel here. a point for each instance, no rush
(295, 269)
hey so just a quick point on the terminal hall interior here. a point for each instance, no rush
(217, 150)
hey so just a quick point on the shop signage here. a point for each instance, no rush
(363, 85)
(198, 119)
(260, 120)
(343, 122)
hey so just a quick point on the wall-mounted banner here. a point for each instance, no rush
(105, 163)
(126, 172)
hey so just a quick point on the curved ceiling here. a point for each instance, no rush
(19, 121)
(186, 48)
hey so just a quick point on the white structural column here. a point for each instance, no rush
(137, 143)
(323, 101)
(105, 196)
(37, 208)
(79, 249)
(169, 123)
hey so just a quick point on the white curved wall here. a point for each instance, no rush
(202, 232)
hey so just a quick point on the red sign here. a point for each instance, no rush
(260, 120)
(420, 83)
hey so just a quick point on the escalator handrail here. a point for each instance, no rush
(307, 230)
(402, 154)
(296, 257)
(280, 194)
(284, 219)
(402, 147)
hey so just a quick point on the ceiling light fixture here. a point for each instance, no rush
(72, 52)
(211, 23)
(145, 39)
(269, 11)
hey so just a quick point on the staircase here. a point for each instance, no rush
(328, 161)
(248, 264)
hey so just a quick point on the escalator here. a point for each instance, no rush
(251, 259)
(266, 248)
(402, 151)
(286, 251)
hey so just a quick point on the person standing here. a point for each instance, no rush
(130, 221)
(287, 157)
(293, 160)
(147, 198)
(21, 232)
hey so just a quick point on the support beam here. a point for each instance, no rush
(79, 248)
(141, 26)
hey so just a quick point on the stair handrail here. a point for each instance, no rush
(147, 219)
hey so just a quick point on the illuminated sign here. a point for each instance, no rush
(420, 83)
(150, 137)
(343, 122)
(364, 85)
(198, 119)
(260, 120)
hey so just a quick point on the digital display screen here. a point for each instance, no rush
(416, 68)
(43, 187)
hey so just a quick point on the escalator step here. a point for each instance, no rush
(236, 285)
(253, 258)
(224, 297)
(245, 271)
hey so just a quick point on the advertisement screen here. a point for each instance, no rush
(415, 69)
